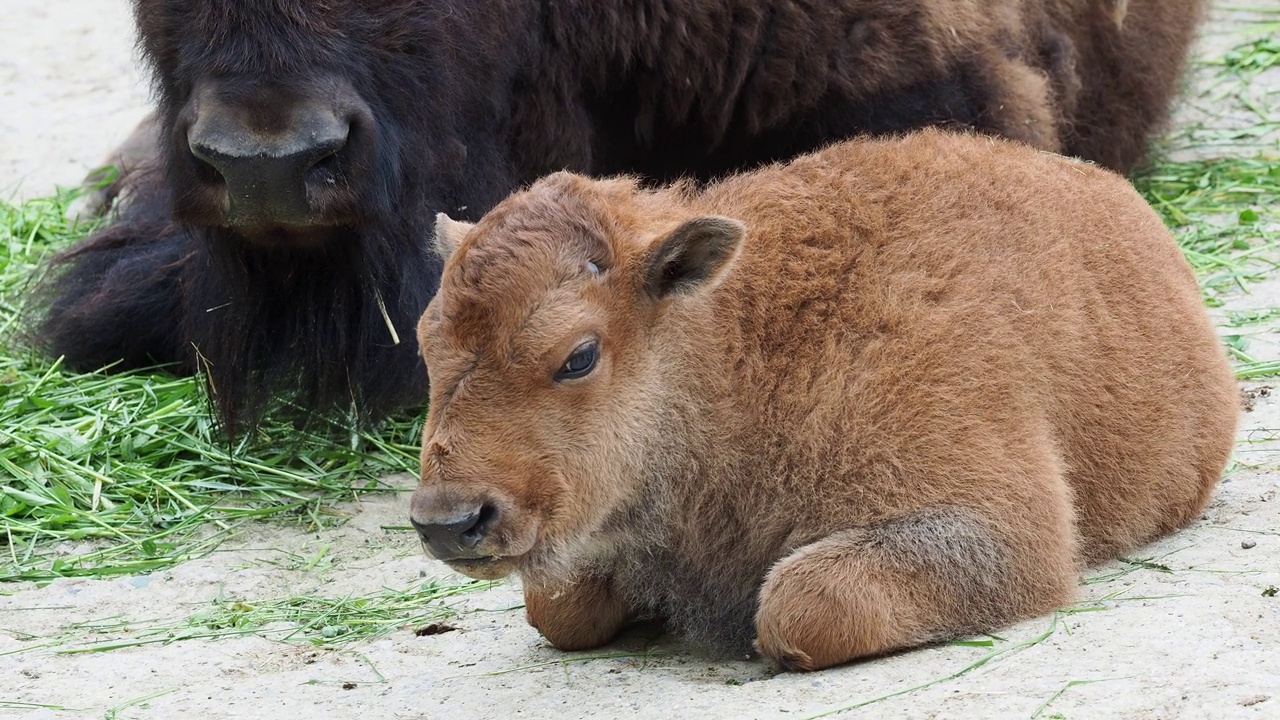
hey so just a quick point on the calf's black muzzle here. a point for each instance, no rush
(456, 535)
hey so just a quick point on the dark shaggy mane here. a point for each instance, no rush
(271, 331)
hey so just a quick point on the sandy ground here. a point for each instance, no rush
(1200, 640)
(69, 90)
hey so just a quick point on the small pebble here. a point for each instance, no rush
(1248, 544)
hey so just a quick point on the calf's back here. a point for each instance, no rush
(1027, 292)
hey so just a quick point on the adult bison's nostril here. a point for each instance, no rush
(456, 536)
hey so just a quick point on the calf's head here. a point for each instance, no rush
(550, 356)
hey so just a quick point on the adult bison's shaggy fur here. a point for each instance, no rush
(305, 146)
(891, 392)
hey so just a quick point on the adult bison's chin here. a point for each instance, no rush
(285, 270)
(328, 325)
(288, 320)
(295, 287)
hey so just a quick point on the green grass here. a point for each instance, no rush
(1039, 711)
(1233, 114)
(1222, 197)
(1225, 215)
(114, 712)
(309, 618)
(129, 466)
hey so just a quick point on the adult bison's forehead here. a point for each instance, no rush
(280, 39)
(245, 37)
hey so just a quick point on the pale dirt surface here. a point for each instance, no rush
(1200, 641)
(69, 90)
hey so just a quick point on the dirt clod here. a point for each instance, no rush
(434, 629)
(1249, 396)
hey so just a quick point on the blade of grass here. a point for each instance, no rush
(1073, 683)
(315, 619)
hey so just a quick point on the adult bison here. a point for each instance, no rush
(882, 395)
(276, 240)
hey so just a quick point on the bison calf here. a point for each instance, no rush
(890, 392)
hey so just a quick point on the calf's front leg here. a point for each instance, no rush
(926, 576)
(579, 616)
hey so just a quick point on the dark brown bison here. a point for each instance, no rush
(892, 392)
(275, 240)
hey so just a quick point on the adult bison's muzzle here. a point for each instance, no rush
(266, 159)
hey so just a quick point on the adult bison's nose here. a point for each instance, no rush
(452, 533)
(280, 159)
(266, 173)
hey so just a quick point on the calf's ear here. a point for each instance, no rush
(449, 234)
(695, 255)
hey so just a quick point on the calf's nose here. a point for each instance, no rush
(456, 535)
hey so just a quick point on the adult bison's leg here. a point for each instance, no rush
(934, 574)
(115, 298)
(583, 615)
(118, 172)
(1018, 100)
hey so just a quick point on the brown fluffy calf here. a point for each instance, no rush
(890, 392)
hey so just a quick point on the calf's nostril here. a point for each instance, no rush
(484, 521)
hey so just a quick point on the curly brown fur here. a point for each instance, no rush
(887, 393)
(450, 104)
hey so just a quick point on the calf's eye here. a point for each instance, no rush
(581, 362)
